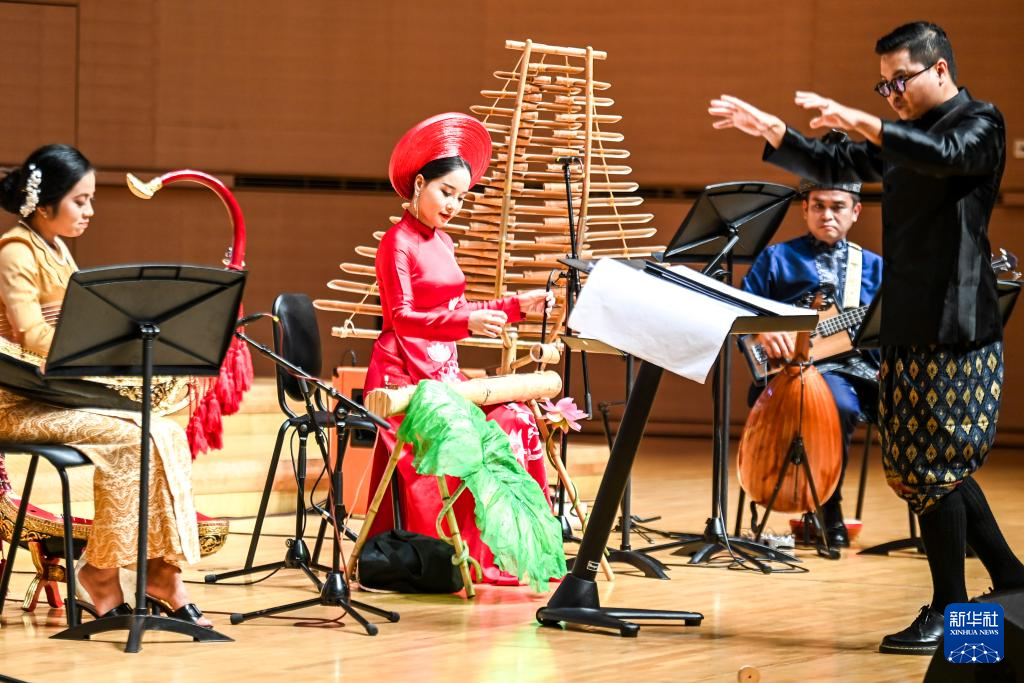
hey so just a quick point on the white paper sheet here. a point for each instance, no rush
(660, 322)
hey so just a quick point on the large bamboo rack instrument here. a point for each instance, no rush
(514, 226)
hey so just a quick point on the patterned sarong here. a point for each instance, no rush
(938, 409)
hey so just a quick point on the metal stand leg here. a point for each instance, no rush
(576, 600)
(797, 456)
(715, 539)
(650, 566)
(334, 591)
(141, 621)
(297, 556)
(913, 542)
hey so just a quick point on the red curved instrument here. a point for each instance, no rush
(222, 396)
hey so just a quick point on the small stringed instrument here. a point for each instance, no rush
(833, 336)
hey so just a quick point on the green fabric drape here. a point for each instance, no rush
(451, 436)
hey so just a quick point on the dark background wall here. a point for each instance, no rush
(314, 93)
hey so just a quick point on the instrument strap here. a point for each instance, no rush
(854, 267)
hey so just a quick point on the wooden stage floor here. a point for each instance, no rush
(821, 625)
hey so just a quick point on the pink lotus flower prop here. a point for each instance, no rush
(564, 414)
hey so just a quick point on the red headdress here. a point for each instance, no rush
(444, 135)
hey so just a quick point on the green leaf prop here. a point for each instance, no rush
(451, 436)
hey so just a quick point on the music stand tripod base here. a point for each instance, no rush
(335, 593)
(576, 602)
(334, 590)
(137, 625)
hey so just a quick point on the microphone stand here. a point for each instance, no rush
(572, 290)
(334, 590)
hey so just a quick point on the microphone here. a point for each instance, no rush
(242, 322)
(569, 160)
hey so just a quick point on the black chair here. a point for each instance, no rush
(297, 339)
(62, 458)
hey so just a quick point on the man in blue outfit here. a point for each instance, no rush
(823, 260)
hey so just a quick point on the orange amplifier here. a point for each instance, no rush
(359, 452)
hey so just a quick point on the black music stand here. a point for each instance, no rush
(141, 320)
(868, 337)
(735, 222)
(576, 599)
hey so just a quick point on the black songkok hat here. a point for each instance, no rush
(807, 185)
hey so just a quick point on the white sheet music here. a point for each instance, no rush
(660, 322)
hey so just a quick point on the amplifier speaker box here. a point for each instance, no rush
(1011, 668)
(355, 469)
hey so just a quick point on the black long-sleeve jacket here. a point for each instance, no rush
(940, 179)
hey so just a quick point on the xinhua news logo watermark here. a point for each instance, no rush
(974, 633)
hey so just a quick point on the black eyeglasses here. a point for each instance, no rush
(898, 84)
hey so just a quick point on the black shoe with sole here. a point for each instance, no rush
(838, 536)
(920, 638)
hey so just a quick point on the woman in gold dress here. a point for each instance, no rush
(52, 195)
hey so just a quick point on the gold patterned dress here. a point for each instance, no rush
(33, 278)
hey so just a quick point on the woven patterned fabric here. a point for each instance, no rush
(938, 409)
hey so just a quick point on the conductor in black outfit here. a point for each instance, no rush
(941, 374)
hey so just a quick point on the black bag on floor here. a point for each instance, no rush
(407, 562)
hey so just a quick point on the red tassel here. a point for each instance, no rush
(243, 371)
(226, 392)
(194, 431)
(213, 426)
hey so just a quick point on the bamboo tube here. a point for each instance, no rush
(549, 50)
(633, 234)
(525, 114)
(499, 280)
(514, 75)
(348, 307)
(598, 101)
(552, 68)
(615, 186)
(447, 501)
(581, 83)
(354, 287)
(610, 169)
(556, 124)
(602, 135)
(371, 512)
(619, 219)
(484, 391)
(599, 118)
(563, 476)
(343, 332)
(507, 94)
(546, 354)
(367, 252)
(351, 332)
(550, 88)
(632, 252)
(509, 343)
(358, 269)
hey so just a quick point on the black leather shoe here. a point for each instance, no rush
(920, 638)
(122, 610)
(188, 612)
(838, 536)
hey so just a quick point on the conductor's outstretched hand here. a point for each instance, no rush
(732, 112)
